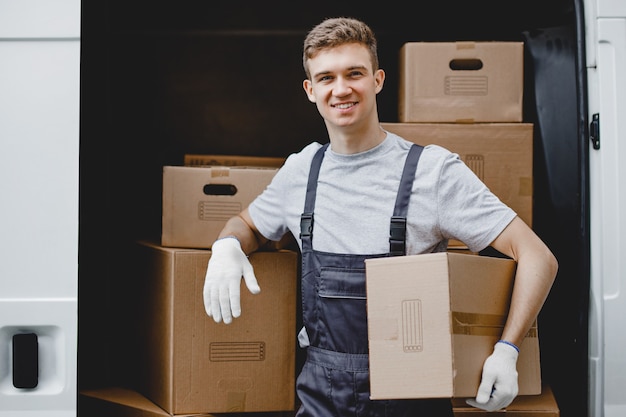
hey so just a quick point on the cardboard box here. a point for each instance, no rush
(433, 319)
(542, 405)
(190, 364)
(461, 82)
(124, 402)
(500, 154)
(197, 201)
(232, 160)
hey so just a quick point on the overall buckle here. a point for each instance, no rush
(306, 225)
(397, 236)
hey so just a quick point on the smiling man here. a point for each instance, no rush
(340, 200)
(343, 82)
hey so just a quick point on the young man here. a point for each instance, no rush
(338, 200)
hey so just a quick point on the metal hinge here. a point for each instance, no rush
(594, 131)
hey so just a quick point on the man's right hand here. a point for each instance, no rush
(222, 283)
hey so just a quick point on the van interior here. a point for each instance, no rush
(163, 79)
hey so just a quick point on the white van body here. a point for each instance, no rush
(39, 149)
(40, 58)
(605, 29)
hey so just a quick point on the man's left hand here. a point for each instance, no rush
(498, 387)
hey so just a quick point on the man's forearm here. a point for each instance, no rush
(532, 285)
(240, 226)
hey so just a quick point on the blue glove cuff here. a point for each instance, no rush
(509, 343)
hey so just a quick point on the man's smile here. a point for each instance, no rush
(344, 105)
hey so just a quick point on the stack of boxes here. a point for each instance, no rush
(467, 97)
(434, 318)
(190, 365)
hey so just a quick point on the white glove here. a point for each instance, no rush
(222, 283)
(498, 387)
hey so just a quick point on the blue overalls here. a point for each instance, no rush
(334, 380)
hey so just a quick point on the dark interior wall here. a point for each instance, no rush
(161, 79)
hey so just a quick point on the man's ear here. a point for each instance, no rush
(379, 79)
(308, 89)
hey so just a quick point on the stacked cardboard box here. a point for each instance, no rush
(196, 365)
(468, 97)
(198, 200)
(200, 196)
(461, 82)
(190, 364)
(500, 154)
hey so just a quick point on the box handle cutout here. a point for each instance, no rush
(219, 189)
(468, 64)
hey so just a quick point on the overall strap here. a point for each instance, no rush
(397, 228)
(306, 219)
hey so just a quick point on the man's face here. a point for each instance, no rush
(343, 85)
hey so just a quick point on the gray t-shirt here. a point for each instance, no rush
(356, 196)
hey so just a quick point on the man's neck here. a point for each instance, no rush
(351, 141)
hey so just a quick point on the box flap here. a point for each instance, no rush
(542, 405)
(121, 402)
(232, 160)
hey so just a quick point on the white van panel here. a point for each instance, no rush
(39, 130)
(611, 8)
(39, 19)
(39, 154)
(54, 322)
(608, 228)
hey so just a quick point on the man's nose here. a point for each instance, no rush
(342, 87)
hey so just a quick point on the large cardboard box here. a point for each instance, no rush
(500, 154)
(434, 318)
(461, 82)
(197, 201)
(125, 402)
(190, 364)
(542, 405)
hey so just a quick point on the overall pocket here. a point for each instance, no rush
(343, 309)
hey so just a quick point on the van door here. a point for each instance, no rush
(606, 74)
(39, 143)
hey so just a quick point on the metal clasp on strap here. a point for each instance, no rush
(306, 225)
(397, 236)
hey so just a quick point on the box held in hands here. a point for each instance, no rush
(433, 319)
